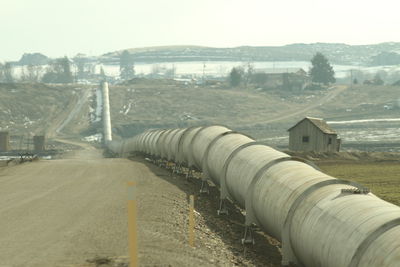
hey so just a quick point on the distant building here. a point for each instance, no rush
(312, 134)
(285, 78)
(299, 71)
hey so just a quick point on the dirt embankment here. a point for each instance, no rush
(34, 108)
(218, 238)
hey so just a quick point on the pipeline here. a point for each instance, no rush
(320, 220)
(106, 113)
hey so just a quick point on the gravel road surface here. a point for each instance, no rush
(73, 212)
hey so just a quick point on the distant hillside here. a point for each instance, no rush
(386, 58)
(33, 108)
(33, 59)
(336, 52)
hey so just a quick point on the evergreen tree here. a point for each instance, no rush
(59, 71)
(66, 75)
(126, 66)
(377, 80)
(321, 71)
(235, 77)
(81, 62)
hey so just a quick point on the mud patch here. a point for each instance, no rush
(100, 261)
(217, 236)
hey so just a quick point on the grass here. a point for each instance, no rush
(31, 108)
(170, 104)
(363, 101)
(382, 178)
(165, 103)
(144, 104)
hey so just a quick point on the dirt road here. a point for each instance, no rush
(334, 91)
(63, 212)
(72, 212)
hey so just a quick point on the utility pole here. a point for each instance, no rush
(351, 78)
(204, 72)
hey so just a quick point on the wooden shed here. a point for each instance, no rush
(313, 134)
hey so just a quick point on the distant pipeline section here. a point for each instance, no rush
(320, 220)
(106, 117)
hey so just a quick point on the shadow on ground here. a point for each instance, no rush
(229, 228)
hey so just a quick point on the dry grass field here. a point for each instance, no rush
(32, 108)
(169, 103)
(363, 101)
(382, 178)
(262, 114)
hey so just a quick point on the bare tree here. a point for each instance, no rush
(126, 66)
(91, 69)
(356, 74)
(23, 77)
(33, 73)
(8, 72)
(80, 62)
(59, 71)
(394, 76)
(223, 71)
(170, 73)
(1, 72)
(248, 71)
(155, 70)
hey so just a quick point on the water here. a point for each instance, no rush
(222, 68)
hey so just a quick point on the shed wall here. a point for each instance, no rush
(317, 140)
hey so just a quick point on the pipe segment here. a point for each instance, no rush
(106, 113)
(321, 220)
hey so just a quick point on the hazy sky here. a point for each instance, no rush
(66, 27)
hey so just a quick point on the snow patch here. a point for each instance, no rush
(96, 113)
(364, 121)
(94, 138)
(128, 108)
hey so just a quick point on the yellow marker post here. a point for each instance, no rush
(132, 224)
(191, 221)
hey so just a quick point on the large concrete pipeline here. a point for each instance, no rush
(106, 113)
(320, 220)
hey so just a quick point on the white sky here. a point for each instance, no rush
(66, 27)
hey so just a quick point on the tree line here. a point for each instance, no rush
(60, 70)
(321, 72)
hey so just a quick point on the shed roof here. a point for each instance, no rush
(319, 123)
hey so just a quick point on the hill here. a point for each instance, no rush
(336, 52)
(266, 115)
(29, 109)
